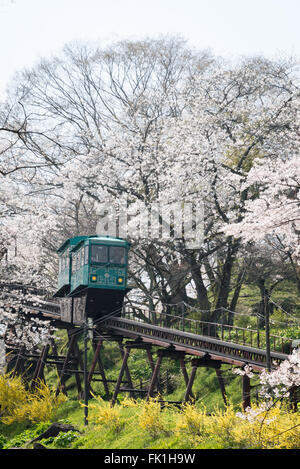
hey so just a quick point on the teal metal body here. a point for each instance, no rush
(92, 262)
(64, 268)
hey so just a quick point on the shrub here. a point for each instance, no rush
(269, 427)
(106, 416)
(151, 418)
(3, 440)
(65, 439)
(223, 426)
(193, 423)
(12, 391)
(18, 404)
(260, 427)
(26, 435)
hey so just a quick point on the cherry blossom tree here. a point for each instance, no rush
(274, 216)
(158, 123)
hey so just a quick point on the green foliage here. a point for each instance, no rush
(139, 368)
(293, 332)
(3, 441)
(27, 435)
(62, 441)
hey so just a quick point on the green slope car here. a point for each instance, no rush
(94, 268)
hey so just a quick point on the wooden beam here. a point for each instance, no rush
(153, 381)
(221, 384)
(119, 380)
(66, 360)
(97, 359)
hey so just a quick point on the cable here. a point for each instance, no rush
(288, 314)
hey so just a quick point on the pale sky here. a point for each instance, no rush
(32, 29)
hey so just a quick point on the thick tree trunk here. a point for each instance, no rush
(224, 288)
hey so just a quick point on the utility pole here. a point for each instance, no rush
(267, 329)
(85, 373)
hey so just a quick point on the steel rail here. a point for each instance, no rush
(195, 344)
(192, 343)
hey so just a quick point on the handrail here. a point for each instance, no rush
(235, 334)
(225, 332)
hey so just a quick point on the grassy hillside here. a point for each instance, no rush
(146, 426)
(137, 425)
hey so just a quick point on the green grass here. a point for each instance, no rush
(128, 436)
(127, 427)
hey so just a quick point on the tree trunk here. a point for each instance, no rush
(224, 290)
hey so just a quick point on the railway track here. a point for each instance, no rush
(188, 342)
(135, 328)
(193, 344)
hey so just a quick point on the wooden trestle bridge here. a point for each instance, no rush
(161, 336)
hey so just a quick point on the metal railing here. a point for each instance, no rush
(243, 336)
